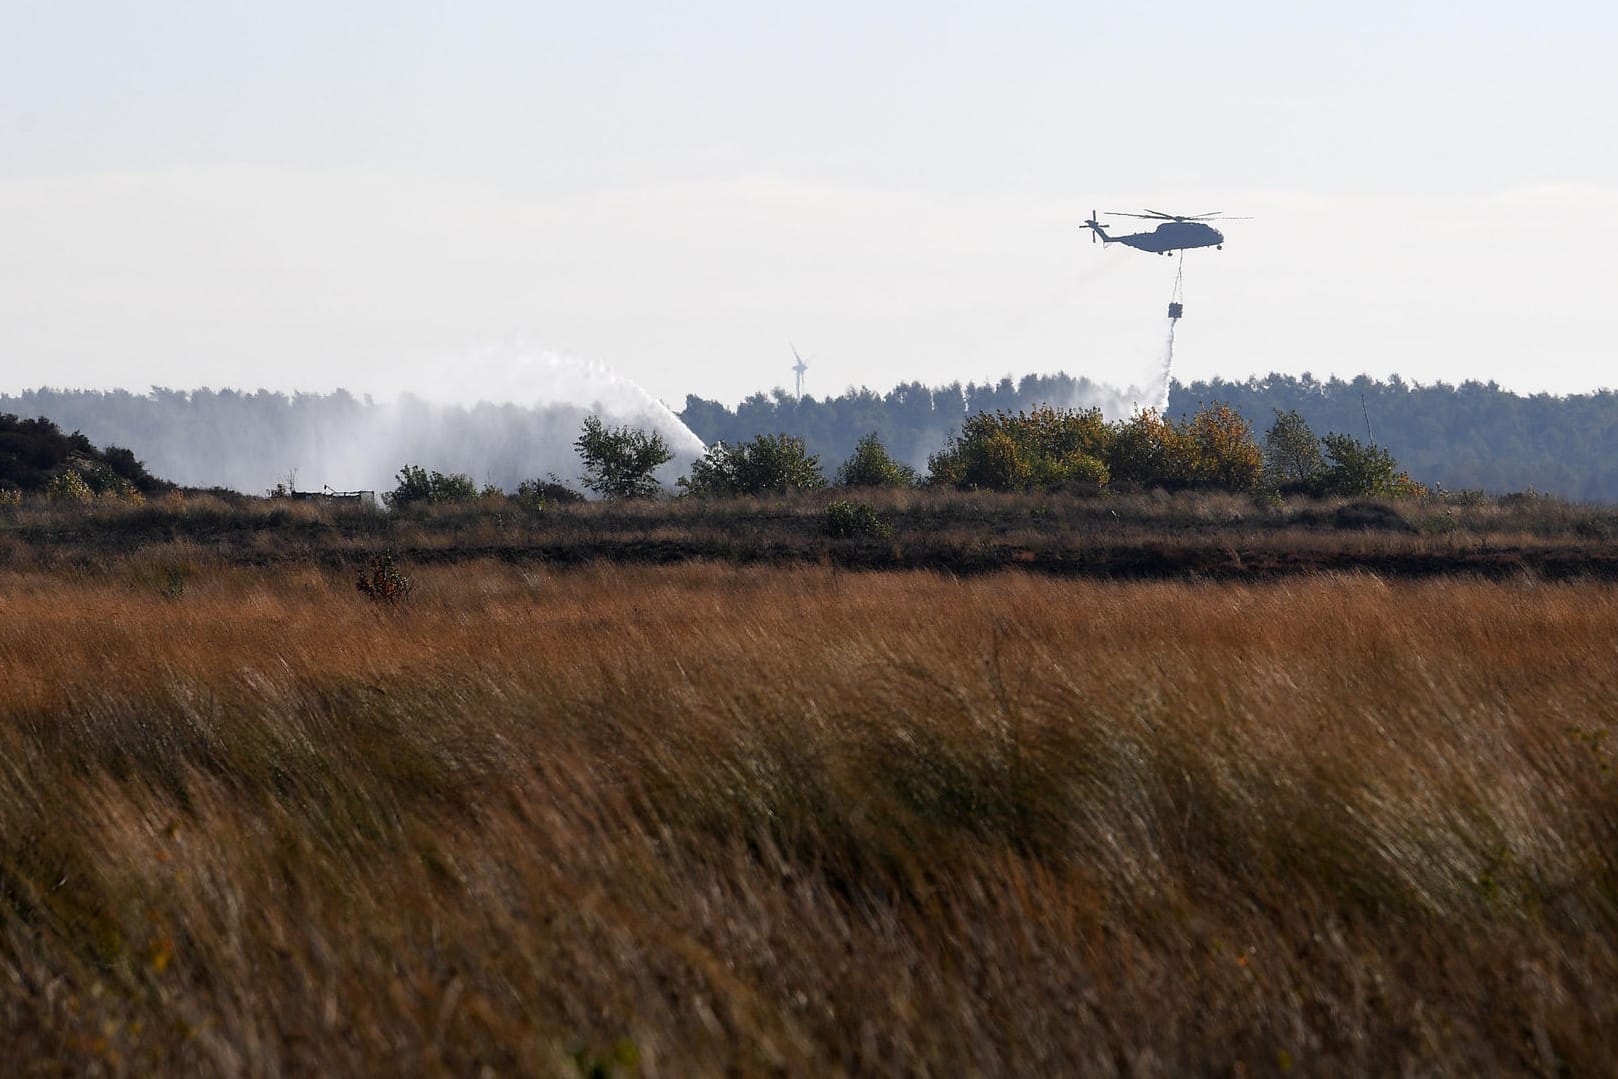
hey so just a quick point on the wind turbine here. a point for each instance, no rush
(798, 368)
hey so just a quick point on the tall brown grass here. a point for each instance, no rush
(706, 819)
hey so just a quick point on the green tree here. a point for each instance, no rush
(871, 465)
(1222, 451)
(1148, 450)
(619, 461)
(1358, 470)
(1291, 450)
(767, 464)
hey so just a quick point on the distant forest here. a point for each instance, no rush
(1473, 435)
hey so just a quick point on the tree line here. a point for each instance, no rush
(1039, 449)
(1468, 436)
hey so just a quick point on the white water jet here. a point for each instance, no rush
(500, 415)
(541, 378)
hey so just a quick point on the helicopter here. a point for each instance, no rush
(1177, 232)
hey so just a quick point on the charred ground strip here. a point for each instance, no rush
(1127, 537)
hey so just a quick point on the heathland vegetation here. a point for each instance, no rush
(715, 819)
(1146, 747)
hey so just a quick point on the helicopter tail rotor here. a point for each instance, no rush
(1095, 226)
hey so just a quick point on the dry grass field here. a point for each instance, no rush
(710, 819)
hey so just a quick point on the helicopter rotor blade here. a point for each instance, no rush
(1159, 215)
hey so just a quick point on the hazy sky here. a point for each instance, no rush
(302, 196)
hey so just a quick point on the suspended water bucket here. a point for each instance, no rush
(1176, 308)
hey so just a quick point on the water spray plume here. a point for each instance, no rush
(1119, 404)
(521, 375)
(500, 415)
(1167, 373)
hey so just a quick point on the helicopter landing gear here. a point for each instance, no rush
(1219, 247)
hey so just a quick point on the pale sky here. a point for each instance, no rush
(311, 195)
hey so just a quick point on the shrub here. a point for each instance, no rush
(997, 462)
(846, 520)
(1374, 516)
(1005, 451)
(1464, 496)
(1081, 469)
(1047, 447)
(123, 464)
(767, 464)
(870, 465)
(619, 461)
(383, 583)
(107, 484)
(537, 494)
(417, 485)
(68, 486)
(174, 578)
